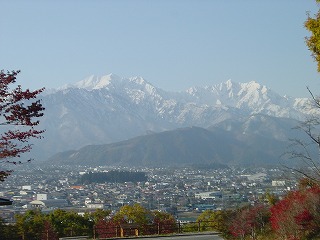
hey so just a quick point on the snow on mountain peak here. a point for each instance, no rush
(250, 96)
(93, 82)
(138, 80)
(105, 81)
(229, 84)
(253, 89)
(251, 86)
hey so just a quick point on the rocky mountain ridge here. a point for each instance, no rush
(102, 110)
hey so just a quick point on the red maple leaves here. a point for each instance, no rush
(297, 216)
(19, 114)
(249, 221)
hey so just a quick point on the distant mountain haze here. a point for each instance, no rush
(152, 124)
(181, 147)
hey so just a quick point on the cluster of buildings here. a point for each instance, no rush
(182, 192)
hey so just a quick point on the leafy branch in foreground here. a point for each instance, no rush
(19, 115)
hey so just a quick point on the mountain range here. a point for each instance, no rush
(110, 112)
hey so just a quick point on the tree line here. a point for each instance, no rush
(37, 225)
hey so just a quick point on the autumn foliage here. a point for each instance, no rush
(19, 115)
(297, 216)
(294, 217)
(165, 222)
(250, 221)
(107, 228)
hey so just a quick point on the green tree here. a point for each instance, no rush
(8, 232)
(97, 215)
(69, 223)
(215, 220)
(30, 225)
(271, 198)
(313, 42)
(133, 214)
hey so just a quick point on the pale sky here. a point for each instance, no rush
(173, 44)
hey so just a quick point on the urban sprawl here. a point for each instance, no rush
(183, 192)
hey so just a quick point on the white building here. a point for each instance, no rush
(278, 183)
(26, 187)
(208, 195)
(42, 196)
(95, 205)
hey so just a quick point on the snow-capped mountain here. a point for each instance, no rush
(99, 110)
(251, 98)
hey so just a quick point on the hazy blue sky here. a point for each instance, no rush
(174, 44)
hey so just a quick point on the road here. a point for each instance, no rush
(190, 237)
